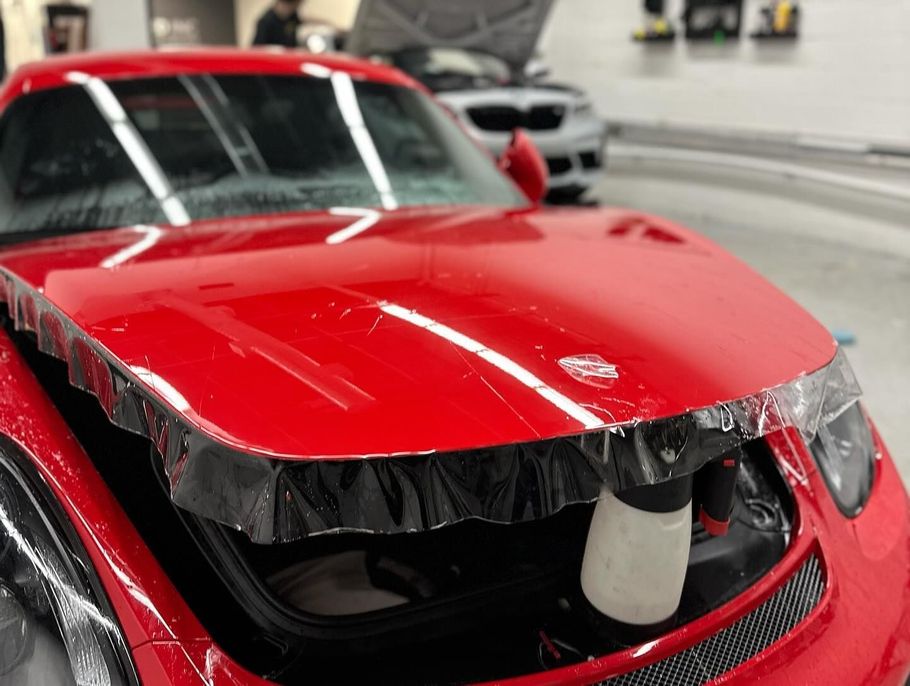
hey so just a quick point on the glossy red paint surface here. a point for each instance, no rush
(433, 330)
(190, 663)
(54, 72)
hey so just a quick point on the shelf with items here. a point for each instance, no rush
(780, 20)
(657, 28)
(713, 20)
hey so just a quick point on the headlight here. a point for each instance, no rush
(316, 43)
(583, 108)
(54, 628)
(845, 453)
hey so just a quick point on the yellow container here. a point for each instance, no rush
(783, 15)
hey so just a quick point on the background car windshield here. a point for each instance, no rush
(442, 69)
(100, 154)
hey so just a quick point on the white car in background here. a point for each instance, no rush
(476, 56)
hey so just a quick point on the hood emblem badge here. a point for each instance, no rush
(590, 369)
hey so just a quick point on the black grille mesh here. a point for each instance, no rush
(559, 165)
(739, 642)
(504, 118)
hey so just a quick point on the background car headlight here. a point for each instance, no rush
(583, 108)
(54, 625)
(845, 453)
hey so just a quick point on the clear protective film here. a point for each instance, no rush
(274, 500)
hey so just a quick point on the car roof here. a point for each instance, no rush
(57, 71)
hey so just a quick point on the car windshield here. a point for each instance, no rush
(106, 154)
(442, 69)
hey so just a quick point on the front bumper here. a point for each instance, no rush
(858, 634)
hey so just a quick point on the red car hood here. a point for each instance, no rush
(352, 333)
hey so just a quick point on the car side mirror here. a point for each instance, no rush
(523, 162)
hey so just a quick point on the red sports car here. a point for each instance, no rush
(300, 387)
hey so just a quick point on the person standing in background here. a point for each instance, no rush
(278, 26)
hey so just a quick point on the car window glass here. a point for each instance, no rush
(146, 151)
(51, 176)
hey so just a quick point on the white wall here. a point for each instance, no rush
(119, 25)
(847, 76)
(339, 12)
(23, 24)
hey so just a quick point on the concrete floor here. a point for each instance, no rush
(845, 258)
